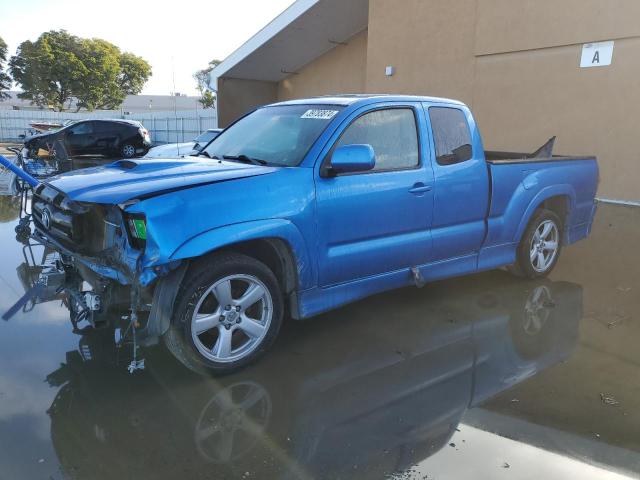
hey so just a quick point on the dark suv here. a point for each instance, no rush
(112, 138)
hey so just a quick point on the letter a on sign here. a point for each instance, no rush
(596, 54)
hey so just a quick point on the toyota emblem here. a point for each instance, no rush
(46, 219)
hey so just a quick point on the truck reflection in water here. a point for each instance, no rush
(367, 391)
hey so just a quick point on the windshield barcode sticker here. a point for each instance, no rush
(319, 114)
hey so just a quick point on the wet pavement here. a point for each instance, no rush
(481, 377)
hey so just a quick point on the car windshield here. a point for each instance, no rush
(206, 137)
(278, 135)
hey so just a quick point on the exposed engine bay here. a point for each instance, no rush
(49, 227)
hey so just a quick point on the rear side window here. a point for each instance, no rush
(392, 133)
(451, 135)
(82, 128)
(124, 127)
(104, 127)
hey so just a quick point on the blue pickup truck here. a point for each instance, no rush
(298, 208)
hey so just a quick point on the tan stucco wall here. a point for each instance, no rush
(512, 25)
(429, 42)
(341, 70)
(236, 97)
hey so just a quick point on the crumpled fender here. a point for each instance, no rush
(259, 229)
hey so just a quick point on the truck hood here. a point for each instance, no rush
(143, 178)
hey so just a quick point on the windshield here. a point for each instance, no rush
(206, 137)
(278, 135)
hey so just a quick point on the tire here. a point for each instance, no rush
(529, 262)
(531, 331)
(226, 339)
(127, 150)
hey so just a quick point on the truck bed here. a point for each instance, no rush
(543, 154)
(495, 157)
(516, 181)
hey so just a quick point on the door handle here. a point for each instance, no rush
(420, 188)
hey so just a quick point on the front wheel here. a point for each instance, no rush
(228, 313)
(540, 246)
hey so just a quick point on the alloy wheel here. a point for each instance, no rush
(544, 246)
(231, 318)
(537, 310)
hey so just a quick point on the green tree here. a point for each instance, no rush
(207, 97)
(49, 69)
(59, 67)
(5, 80)
(134, 73)
(96, 88)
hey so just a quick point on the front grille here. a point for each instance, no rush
(80, 227)
(51, 217)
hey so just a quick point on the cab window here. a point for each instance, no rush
(391, 132)
(451, 135)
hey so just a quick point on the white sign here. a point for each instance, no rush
(596, 54)
(319, 114)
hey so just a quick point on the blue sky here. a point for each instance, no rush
(179, 36)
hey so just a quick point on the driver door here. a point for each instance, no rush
(377, 221)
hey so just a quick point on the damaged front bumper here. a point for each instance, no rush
(120, 283)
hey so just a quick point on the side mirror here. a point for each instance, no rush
(352, 158)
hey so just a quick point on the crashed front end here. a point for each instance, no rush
(103, 246)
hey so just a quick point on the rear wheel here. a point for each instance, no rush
(127, 150)
(228, 313)
(540, 246)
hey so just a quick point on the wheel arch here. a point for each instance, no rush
(275, 253)
(277, 243)
(560, 199)
(280, 247)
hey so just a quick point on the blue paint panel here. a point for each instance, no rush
(497, 256)
(371, 222)
(461, 196)
(512, 204)
(129, 179)
(231, 212)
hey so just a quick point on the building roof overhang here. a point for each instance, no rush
(303, 32)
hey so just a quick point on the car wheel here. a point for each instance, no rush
(228, 313)
(540, 247)
(531, 331)
(127, 150)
